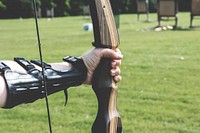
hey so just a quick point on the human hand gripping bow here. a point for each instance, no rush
(105, 36)
(39, 80)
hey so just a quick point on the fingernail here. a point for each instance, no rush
(114, 64)
(112, 72)
(118, 79)
(119, 56)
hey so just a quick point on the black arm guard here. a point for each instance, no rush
(21, 88)
(26, 88)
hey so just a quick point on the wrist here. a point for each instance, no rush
(78, 64)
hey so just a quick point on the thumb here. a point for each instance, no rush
(109, 53)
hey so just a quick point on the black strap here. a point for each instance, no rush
(47, 66)
(24, 63)
(77, 63)
(41, 64)
(66, 96)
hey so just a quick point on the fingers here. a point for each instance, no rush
(92, 59)
(117, 79)
(109, 53)
(115, 72)
(115, 63)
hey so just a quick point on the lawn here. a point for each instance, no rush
(159, 92)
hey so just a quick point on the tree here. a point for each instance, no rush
(2, 9)
(76, 7)
(46, 5)
(17, 8)
(2, 5)
(62, 7)
(127, 6)
(26, 8)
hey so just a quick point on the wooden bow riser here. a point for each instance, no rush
(105, 31)
(105, 36)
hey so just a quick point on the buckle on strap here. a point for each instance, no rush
(4, 67)
(24, 63)
(47, 66)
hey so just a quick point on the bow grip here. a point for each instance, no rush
(108, 119)
(105, 36)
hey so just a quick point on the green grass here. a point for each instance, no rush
(159, 92)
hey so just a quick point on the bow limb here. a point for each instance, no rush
(105, 36)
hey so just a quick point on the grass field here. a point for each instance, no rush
(159, 92)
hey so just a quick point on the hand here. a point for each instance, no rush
(92, 59)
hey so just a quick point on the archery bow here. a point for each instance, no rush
(41, 59)
(105, 36)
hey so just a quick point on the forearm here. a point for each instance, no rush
(3, 92)
(28, 86)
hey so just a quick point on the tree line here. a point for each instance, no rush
(24, 8)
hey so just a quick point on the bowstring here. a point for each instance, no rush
(41, 59)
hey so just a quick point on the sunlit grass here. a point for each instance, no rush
(159, 92)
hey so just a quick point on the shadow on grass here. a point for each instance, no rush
(172, 28)
(146, 21)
